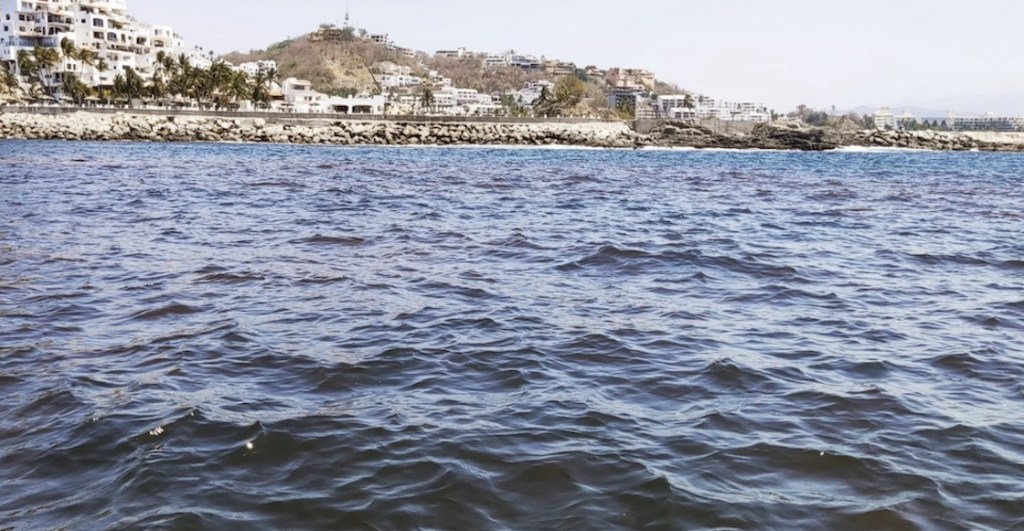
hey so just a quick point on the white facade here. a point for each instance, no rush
(392, 81)
(300, 97)
(454, 54)
(526, 62)
(532, 91)
(703, 107)
(102, 26)
(257, 67)
(884, 119)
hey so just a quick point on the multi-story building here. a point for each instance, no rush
(630, 78)
(515, 60)
(101, 26)
(559, 68)
(885, 119)
(674, 106)
(257, 67)
(455, 54)
(300, 97)
(987, 122)
(391, 81)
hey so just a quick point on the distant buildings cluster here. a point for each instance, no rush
(115, 39)
(884, 118)
(118, 43)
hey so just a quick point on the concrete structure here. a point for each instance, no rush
(101, 26)
(300, 97)
(987, 122)
(515, 60)
(257, 67)
(455, 54)
(559, 68)
(630, 78)
(673, 106)
(532, 91)
(884, 119)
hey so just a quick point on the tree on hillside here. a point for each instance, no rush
(688, 102)
(427, 98)
(569, 91)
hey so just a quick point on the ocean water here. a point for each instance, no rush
(249, 337)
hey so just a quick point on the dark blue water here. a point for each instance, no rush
(235, 336)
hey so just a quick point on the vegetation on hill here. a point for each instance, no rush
(344, 65)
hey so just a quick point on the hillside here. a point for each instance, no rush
(337, 68)
(345, 66)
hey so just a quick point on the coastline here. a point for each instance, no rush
(283, 129)
(292, 129)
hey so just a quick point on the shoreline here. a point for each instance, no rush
(354, 131)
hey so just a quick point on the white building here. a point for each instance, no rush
(532, 91)
(674, 107)
(300, 97)
(392, 81)
(525, 62)
(454, 54)
(102, 26)
(885, 119)
(257, 67)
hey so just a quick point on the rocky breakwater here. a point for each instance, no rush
(178, 128)
(937, 140)
(804, 138)
(762, 136)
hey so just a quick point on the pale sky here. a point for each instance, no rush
(780, 52)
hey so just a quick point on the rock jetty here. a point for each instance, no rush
(766, 136)
(287, 130)
(180, 128)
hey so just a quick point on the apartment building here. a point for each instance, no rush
(630, 78)
(454, 54)
(300, 97)
(257, 67)
(673, 106)
(102, 26)
(986, 122)
(512, 59)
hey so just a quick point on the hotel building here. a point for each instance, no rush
(102, 26)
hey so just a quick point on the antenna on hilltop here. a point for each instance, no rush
(347, 19)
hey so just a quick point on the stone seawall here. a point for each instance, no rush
(176, 128)
(768, 136)
(293, 130)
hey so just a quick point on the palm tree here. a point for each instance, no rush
(427, 99)
(68, 48)
(262, 85)
(237, 88)
(7, 76)
(45, 60)
(27, 66)
(129, 86)
(73, 88)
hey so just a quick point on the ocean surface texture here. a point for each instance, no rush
(252, 337)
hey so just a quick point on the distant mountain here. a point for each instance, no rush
(1003, 104)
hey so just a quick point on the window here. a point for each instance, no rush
(97, 22)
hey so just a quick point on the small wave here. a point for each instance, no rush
(344, 241)
(170, 310)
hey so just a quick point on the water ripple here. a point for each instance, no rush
(208, 336)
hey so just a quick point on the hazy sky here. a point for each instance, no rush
(781, 52)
